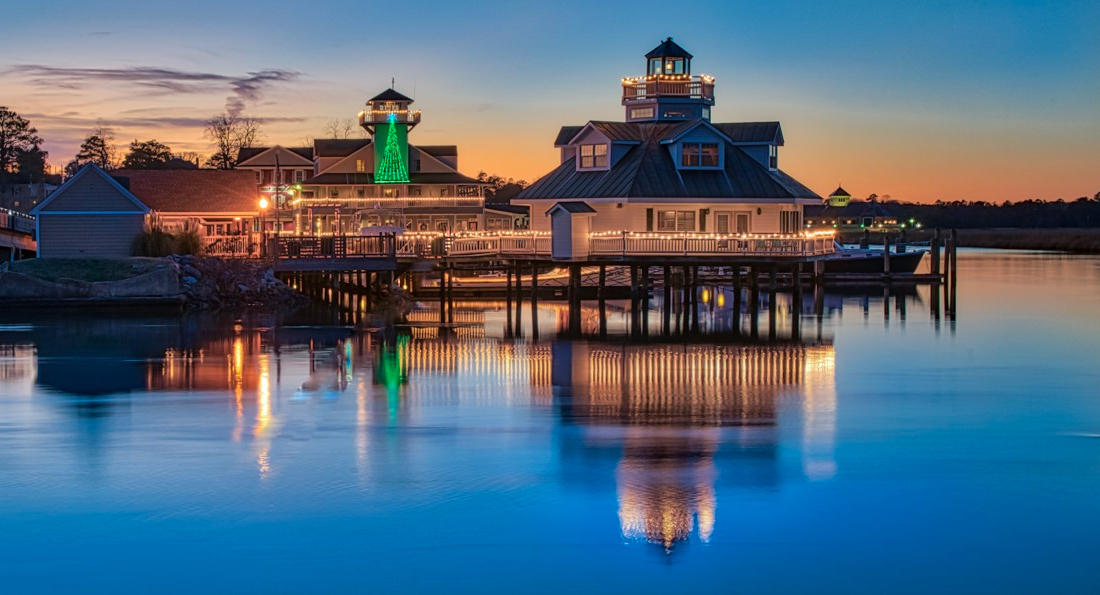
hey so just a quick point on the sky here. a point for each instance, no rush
(920, 101)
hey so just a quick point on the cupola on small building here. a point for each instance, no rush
(667, 167)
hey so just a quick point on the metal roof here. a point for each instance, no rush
(390, 95)
(566, 134)
(338, 147)
(752, 132)
(572, 206)
(647, 170)
(668, 49)
(414, 178)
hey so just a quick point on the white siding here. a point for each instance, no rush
(562, 235)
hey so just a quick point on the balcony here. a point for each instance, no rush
(373, 118)
(675, 85)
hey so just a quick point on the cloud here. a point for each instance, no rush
(244, 89)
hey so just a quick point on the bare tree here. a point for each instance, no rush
(229, 133)
(339, 128)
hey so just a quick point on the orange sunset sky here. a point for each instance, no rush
(950, 101)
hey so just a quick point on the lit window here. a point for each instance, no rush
(360, 166)
(640, 113)
(593, 156)
(676, 221)
(699, 155)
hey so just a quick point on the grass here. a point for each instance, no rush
(1083, 240)
(86, 269)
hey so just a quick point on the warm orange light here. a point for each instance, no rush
(263, 203)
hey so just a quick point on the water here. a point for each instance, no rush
(881, 451)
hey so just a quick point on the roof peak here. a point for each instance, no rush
(390, 95)
(669, 49)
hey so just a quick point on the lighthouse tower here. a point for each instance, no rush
(668, 91)
(388, 119)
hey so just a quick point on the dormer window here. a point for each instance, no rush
(699, 155)
(593, 156)
(773, 157)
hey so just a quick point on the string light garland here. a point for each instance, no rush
(392, 170)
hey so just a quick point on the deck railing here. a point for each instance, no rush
(16, 221)
(236, 246)
(298, 247)
(702, 244)
(694, 87)
(504, 243)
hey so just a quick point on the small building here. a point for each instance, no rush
(506, 217)
(215, 203)
(570, 224)
(668, 168)
(91, 215)
(840, 214)
(341, 186)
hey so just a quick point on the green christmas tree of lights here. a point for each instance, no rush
(392, 170)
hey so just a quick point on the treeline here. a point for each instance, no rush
(1082, 212)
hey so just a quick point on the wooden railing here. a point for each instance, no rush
(694, 87)
(504, 243)
(236, 246)
(701, 244)
(16, 221)
(297, 247)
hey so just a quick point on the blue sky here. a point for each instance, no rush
(918, 100)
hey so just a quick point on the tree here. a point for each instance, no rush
(30, 165)
(148, 154)
(97, 149)
(500, 189)
(337, 128)
(229, 133)
(16, 136)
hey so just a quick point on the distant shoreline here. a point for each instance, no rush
(1076, 240)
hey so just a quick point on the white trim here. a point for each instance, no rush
(697, 124)
(80, 174)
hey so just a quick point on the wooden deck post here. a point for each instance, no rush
(735, 318)
(645, 301)
(451, 295)
(954, 269)
(508, 301)
(934, 253)
(886, 255)
(575, 299)
(534, 301)
(443, 296)
(519, 299)
(666, 300)
(695, 299)
(602, 300)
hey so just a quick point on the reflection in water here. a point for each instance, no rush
(671, 409)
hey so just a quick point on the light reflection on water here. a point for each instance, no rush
(296, 456)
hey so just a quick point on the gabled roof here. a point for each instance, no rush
(91, 169)
(840, 191)
(753, 132)
(647, 170)
(338, 147)
(507, 208)
(573, 207)
(193, 191)
(389, 95)
(678, 132)
(439, 150)
(668, 49)
(567, 134)
(298, 156)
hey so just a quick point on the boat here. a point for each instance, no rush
(849, 260)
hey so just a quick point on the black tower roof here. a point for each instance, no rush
(390, 95)
(669, 49)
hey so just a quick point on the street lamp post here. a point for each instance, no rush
(263, 227)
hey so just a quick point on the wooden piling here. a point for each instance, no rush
(666, 300)
(600, 291)
(508, 300)
(645, 301)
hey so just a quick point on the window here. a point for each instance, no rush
(333, 192)
(639, 113)
(699, 155)
(360, 166)
(773, 157)
(467, 190)
(361, 192)
(676, 221)
(593, 156)
(259, 177)
(299, 176)
(790, 221)
(416, 165)
(415, 191)
(444, 191)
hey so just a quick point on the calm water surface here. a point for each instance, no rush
(881, 451)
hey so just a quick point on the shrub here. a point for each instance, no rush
(154, 242)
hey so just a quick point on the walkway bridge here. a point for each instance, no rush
(17, 234)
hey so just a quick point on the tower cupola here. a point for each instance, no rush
(668, 91)
(388, 118)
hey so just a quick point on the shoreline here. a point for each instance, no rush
(1072, 240)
